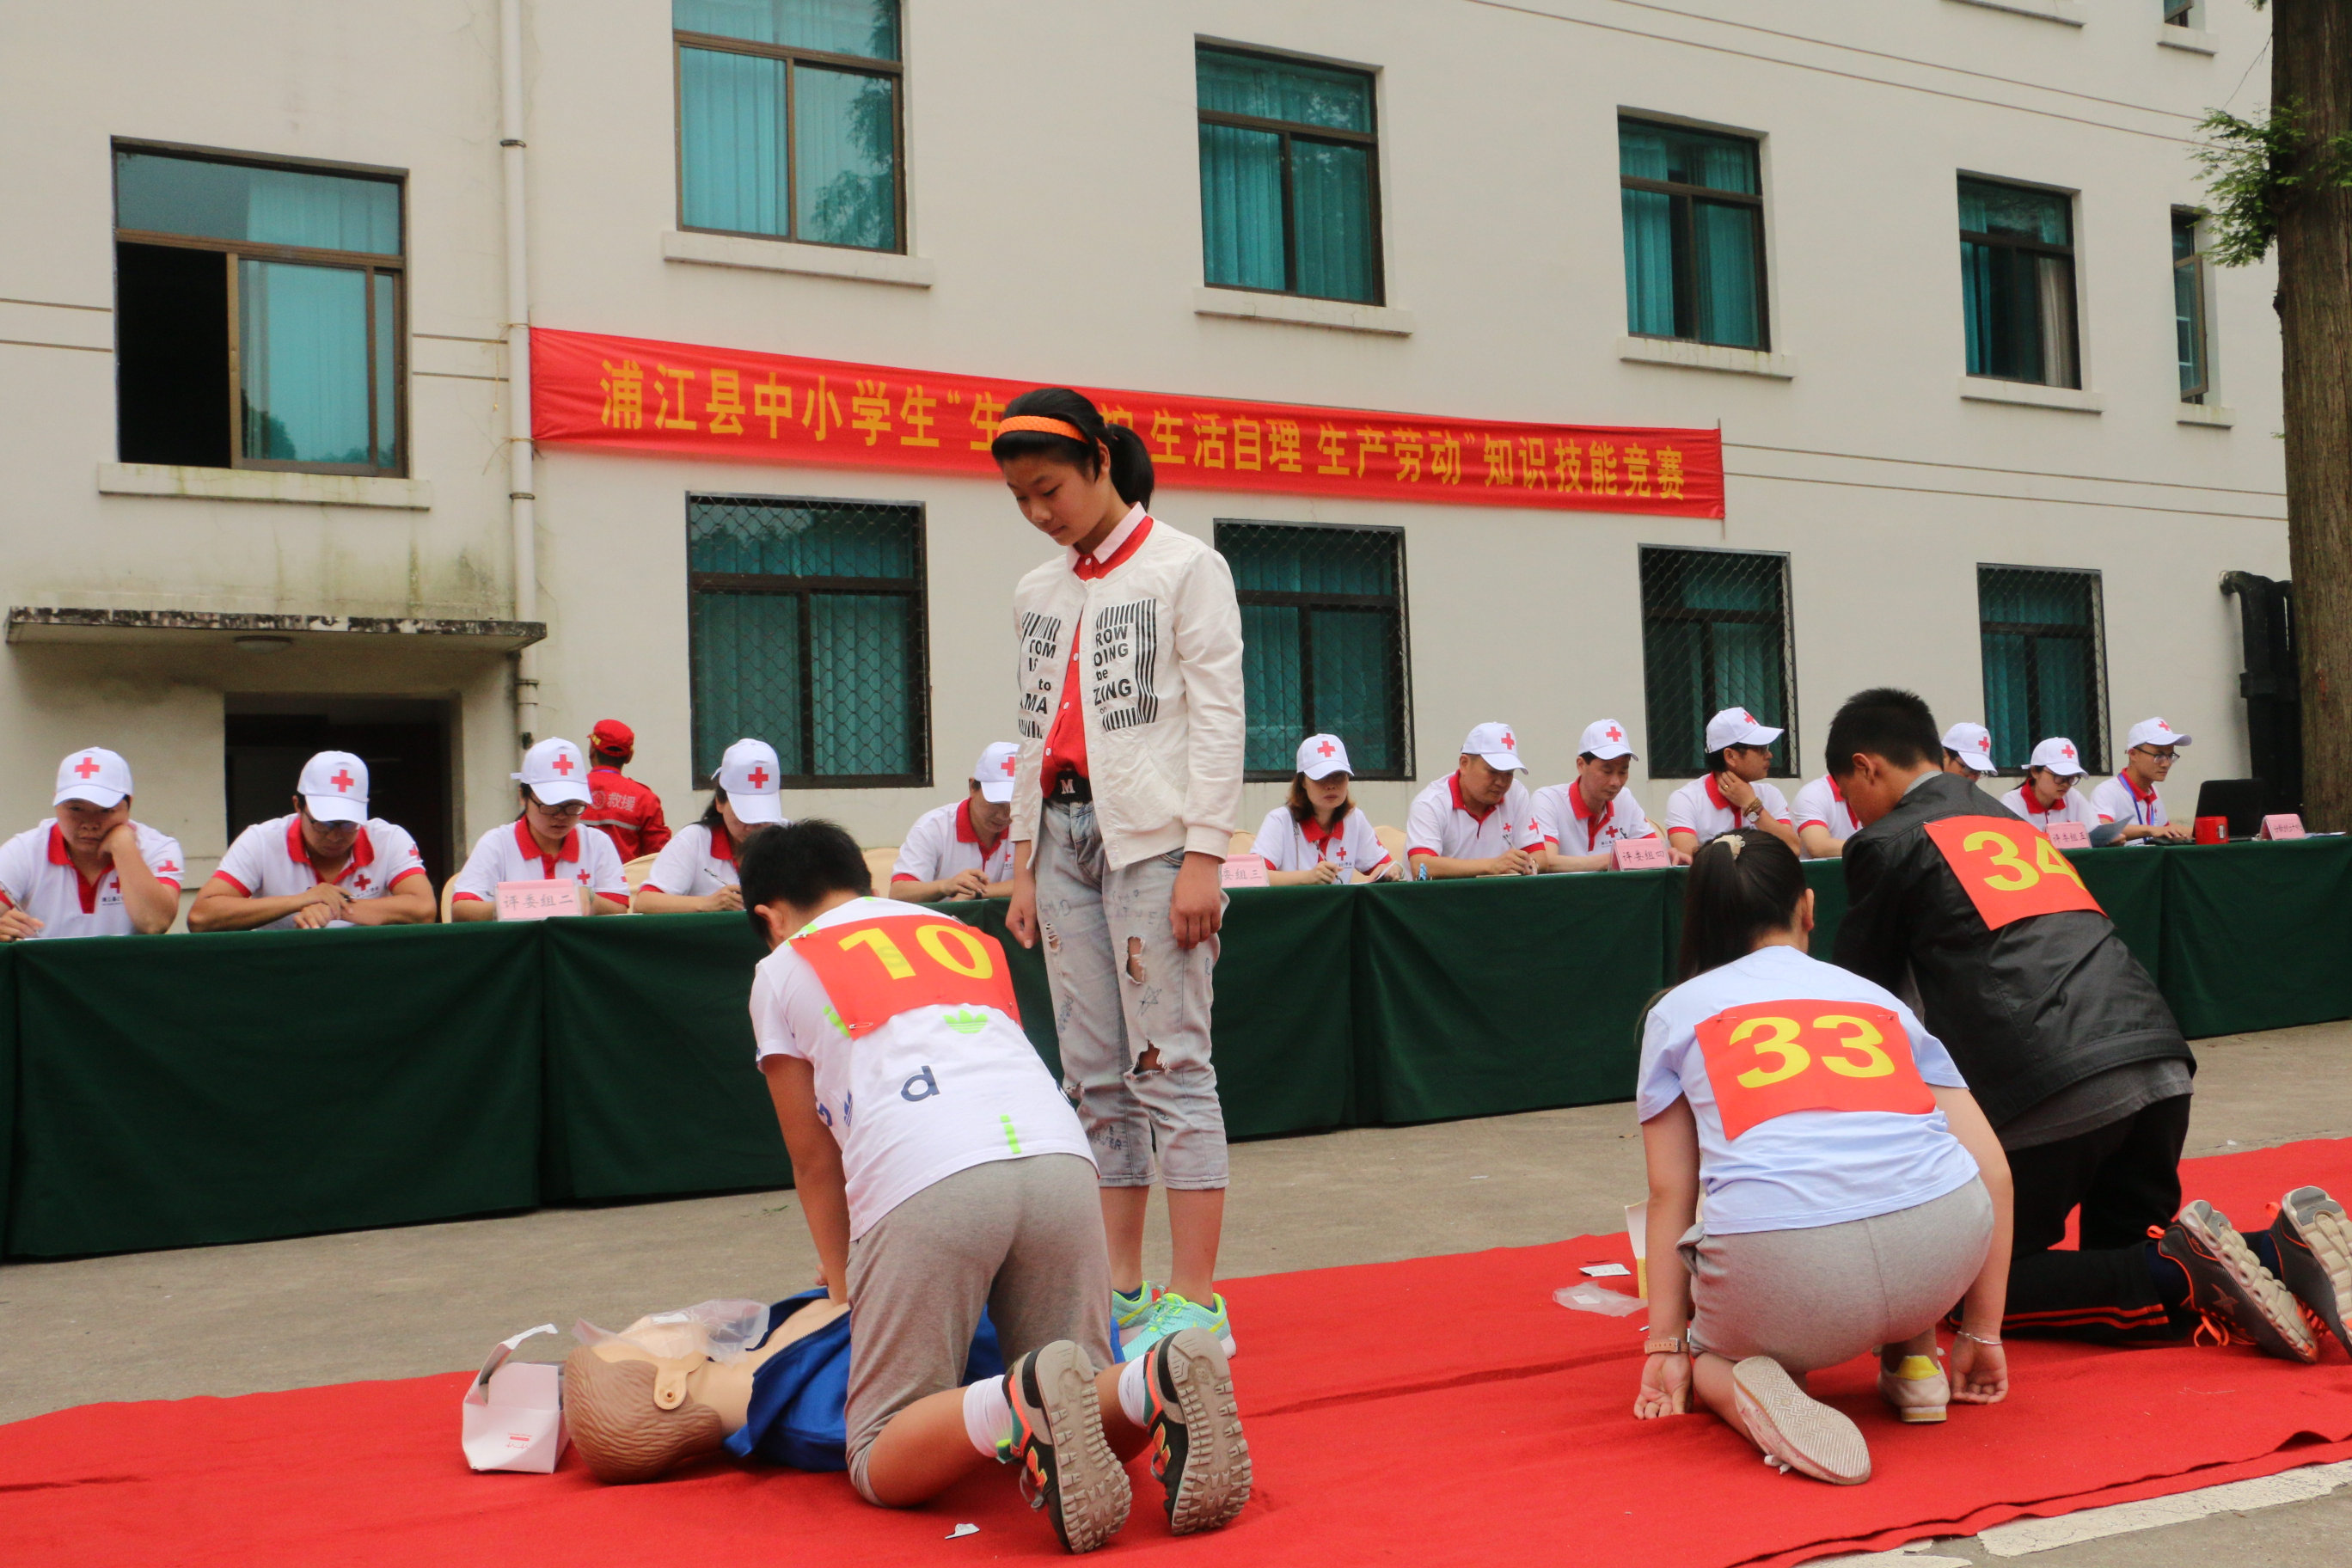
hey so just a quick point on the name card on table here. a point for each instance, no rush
(538, 901)
(1244, 871)
(2068, 836)
(2286, 825)
(1639, 855)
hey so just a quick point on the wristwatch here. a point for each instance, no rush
(1669, 1346)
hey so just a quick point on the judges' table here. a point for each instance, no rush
(234, 1088)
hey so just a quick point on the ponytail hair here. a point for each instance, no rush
(1742, 886)
(1130, 463)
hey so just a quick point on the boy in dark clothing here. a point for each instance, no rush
(2070, 1049)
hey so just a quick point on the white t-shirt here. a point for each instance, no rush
(1440, 823)
(1801, 1169)
(38, 877)
(2114, 801)
(696, 863)
(1699, 807)
(268, 861)
(507, 853)
(2071, 807)
(943, 843)
(1567, 827)
(932, 1091)
(1819, 803)
(1290, 845)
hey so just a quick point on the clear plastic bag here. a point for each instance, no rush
(722, 1330)
(1588, 1297)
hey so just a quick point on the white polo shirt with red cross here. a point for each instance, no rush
(943, 843)
(1699, 807)
(268, 860)
(507, 853)
(1822, 804)
(1351, 843)
(1441, 822)
(2118, 799)
(696, 863)
(2072, 806)
(1570, 828)
(39, 876)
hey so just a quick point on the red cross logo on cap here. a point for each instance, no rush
(1010, 763)
(1324, 749)
(86, 766)
(562, 763)
(2065, 751)
(1613, 733)
(1509, 744)
(1744, 713)
(342, 780)
(758, 777)
(2163, 726)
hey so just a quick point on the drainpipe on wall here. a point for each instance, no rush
(521, 518)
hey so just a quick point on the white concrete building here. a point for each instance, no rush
(224, 455)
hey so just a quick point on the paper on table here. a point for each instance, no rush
(1603, 1270)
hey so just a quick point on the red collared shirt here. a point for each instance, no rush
(1065, 743)
(630, 812)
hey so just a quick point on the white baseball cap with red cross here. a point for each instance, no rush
(1604, 739)
(555, 771)
(2152, 733)
(1972, 744)
(1320, 756)
(753, 782)
(1738, 727)
(2060, 756)
(993, 772)
(94, 774)
(1496, 746)
(335, 787)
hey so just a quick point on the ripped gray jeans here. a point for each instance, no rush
(1131, 1008)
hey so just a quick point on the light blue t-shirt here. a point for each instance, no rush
(1804, 1168)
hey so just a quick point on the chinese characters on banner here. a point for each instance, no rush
(639, 396)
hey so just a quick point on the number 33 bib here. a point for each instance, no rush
(1768, 1059)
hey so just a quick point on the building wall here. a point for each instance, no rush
(1053, 187)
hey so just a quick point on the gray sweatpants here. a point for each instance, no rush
(1123, 988)
(1022, 1237)
(1814, 1298)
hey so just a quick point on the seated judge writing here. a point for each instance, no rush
(328, 863)
(544, 843)
(695, 872)
(89, 870)
(1732, 792)
(1320, 834)
(2049, 794)
(1477, 820)
(1854, 1191)
(964, 850)
(1582, 822)
(2131, 797)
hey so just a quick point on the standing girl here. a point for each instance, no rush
(1320, 834)
(1129, 666)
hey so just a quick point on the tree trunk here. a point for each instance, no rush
(2311, 56)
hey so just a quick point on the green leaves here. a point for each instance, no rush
(2256, 170)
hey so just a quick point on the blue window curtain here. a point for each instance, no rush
(732, 169)
(302, 352)
(2039, 632)
(1713, 635)
(2017, 304)
(833, 677)
(1692, 266)
(1328, 667)
(167, 194)
(864, 27)
(844, 128)
(1273, 691)
(1281, 207)
(2189, 306)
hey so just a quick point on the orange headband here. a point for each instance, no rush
(1062, 427)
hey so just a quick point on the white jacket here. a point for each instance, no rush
(1163, 658)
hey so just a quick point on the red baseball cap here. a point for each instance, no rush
(611, 735)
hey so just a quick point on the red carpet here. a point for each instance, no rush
(1501, 1430)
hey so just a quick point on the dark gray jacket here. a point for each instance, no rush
(2025, 1010)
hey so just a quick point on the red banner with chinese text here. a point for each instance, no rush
(639, 396)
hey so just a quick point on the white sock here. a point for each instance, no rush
(988, 1417)
(1134, 1395)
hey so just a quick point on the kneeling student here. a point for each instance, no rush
(2049, 794)
(328, 863)
(1320, 834)
(1854, 1189)
(941, 1171)
(695, 872)
(964, 850)
(1582, 822)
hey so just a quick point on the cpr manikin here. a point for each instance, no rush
(672, 1385)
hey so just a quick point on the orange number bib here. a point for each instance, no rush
(874, 969)
(1768, 1059)
(2010, 869)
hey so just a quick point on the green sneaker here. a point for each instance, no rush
(1128, 1313)
(1198, 1452)
(1172, 1312)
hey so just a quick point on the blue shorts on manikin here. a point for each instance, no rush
(799, 1395)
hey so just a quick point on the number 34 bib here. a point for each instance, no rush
(2010, 869)
(1768, 1059)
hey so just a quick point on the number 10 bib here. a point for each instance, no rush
(1768, 1059)
(874, 969)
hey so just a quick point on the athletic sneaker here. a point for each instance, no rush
(1128, 1313)
(1198, 1451)
(1915, 1387)
(2238, 1299)
(2314, 1249)
(1795, 1431)
(1172, 1312)
(1068, 1468)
